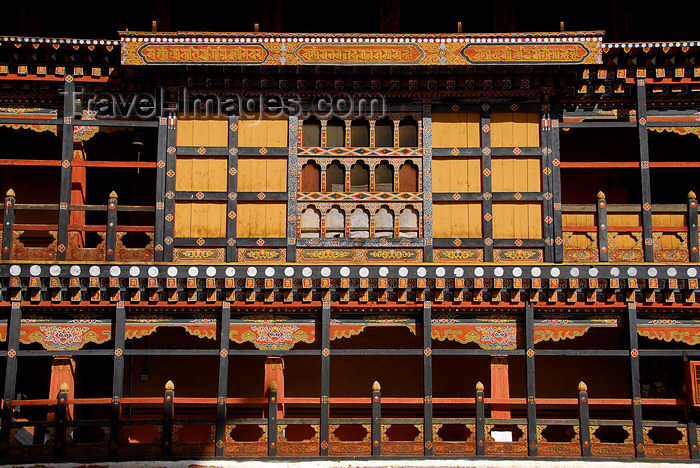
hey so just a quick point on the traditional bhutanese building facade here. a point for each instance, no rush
(343, 245)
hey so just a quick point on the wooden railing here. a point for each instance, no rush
(615, 233)
(147, 427)
(110, 248)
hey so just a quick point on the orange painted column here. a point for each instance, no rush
(62, 371)
(500, 387)
(274, 372)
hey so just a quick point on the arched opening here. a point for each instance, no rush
(408, 132)
(335, 177)
(311, 134)
(408, 222)
(359, 132)
(359, 223)
(335, 133)
(384, 222)
(384, 133)
(311, 177)
(310, 222)
(335, 222)
(384, 177)
(408, 177)
(359, 177)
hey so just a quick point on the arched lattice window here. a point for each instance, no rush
(408, 177)
(359, 132)
(310, 222)
(408, 222)
(359, 223)
(311, 177)
(384, 177)
(335, 222)
(384, 222)
(335, 133)
(335, 177)
(359, 177)
(408, 132)
(384, 133)
(311, 134)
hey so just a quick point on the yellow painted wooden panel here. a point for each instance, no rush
(276, 175)
(185, 130)
(517, 220)
(457, 220)
(197, 219)
(183, 173)
(256, 174)
(623, 220)
(263, 132)
(259, 219)
(201, 132)
(183, 219)
(668, 219)
(456, 129)
(218, 174)
(515, 129)
(623, 240)
(579, 240)
(578, 219)
(516, 174)
(456, 175)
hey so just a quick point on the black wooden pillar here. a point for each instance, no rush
(168, 414)
(169, 202)
(222, 392)
(480, 420)
(530, 369)
(486, 185)
(601, 209)
(159, 222)
(427, 380)
(61, 411)
(325, 377)
(272, 420)
(636, 390)
(66, 167)
(376, 419)
(644, 164)
(584, 420)
(9, 221)
(111, 236)
(693, 246)
(556, 182)
(232, 184)
(10, 376)
(546, 164)
(293, 145)
(118, 332)
(427, 182)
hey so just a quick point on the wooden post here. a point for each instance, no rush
(118, 332)
(167, 243)
(480, 420)
(232, 185)
(556, 182)
(376, 419)
(547, 178)
(168, 412)
(222, 391)
(530, 376)
(693, 247)
(647, 227)
(427, 183)
(584, 420)
(486, 181)
(68, 112)
(427, 381)
(272, 420)
(324, 428)
(636, 391)
(13, 329)
(9, 222)
(160, 188)
(59, 443)
(602, 220)
(111, 238)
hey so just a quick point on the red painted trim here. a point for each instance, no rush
(597, 165)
